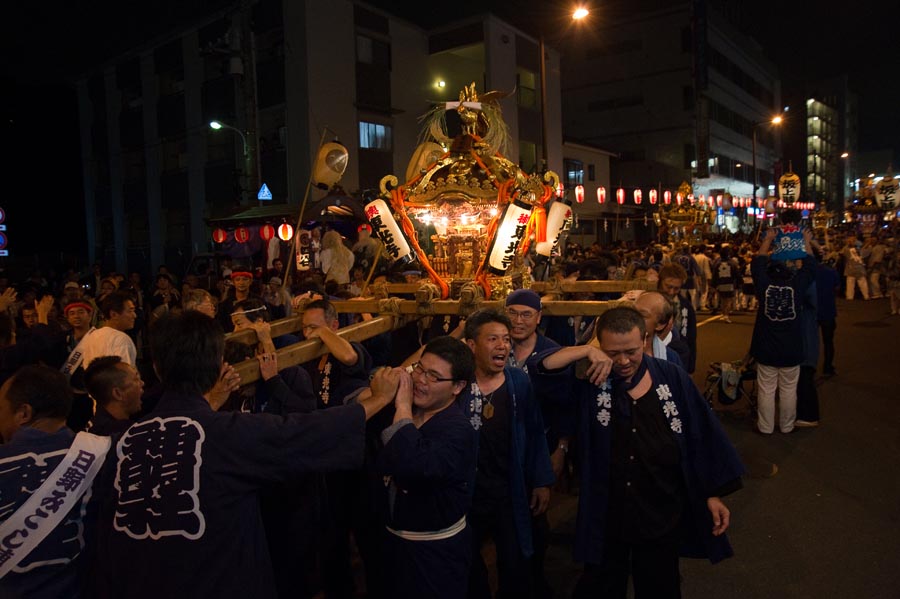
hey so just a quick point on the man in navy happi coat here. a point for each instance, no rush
(428, 462)
(655, 462)
(184, 520)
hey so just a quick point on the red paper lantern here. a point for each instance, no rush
(579, 194)
(638, 196)
(667, 197)
(620, 195)
(267, 232)
(653, 196)
(601, 195)
(219, 235)
(241, 235)
(285, 232)
(679, 198)
(719, 200)
(691, 198)
(560, 190)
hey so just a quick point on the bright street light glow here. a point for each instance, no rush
(777, 120)
(580, 13)
(215, 125)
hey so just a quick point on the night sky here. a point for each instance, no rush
(48, 42)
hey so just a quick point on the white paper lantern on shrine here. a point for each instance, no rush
(886, 193)
(789, 188)
(512, 227)
(388, 231)
(558, 216)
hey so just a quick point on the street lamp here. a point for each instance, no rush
(216, 125)
(251, 167)
(578, 14)
(775, 121)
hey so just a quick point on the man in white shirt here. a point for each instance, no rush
(110, 340)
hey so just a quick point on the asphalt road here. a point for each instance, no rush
(827, 523)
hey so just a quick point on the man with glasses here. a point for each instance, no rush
(428, 462)
(654, 464)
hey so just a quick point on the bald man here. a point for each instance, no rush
(659, 318)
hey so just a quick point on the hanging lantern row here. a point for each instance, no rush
(284, 231)
(725, 201)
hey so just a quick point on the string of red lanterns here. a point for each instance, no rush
(285, 232)
(724, 201)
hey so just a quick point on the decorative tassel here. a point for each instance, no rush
(540, 223)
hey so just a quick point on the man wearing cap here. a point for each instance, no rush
(552, 389)
(240, 291)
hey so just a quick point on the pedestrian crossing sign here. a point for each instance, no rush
(264, 193)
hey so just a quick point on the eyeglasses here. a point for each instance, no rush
(430, 375)
(526, 316)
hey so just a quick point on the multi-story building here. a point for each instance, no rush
(824, 149)
(678, 93)
(282, 77)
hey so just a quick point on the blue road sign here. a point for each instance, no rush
(3, 241)
(264, 193)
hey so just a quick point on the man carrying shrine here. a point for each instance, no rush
(47, 473)
(184, 518)
(655, 463)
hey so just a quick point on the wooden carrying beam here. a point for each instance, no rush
(302, 352)
(451, 307)
(594, 286)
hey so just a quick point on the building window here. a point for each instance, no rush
(526, 86)
(592, 173)
(574, 173)
(690, 155)
(375, 136)
(373, 51)
(527, 156)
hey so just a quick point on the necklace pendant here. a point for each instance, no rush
(488, 411)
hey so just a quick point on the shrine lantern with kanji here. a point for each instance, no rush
(285, 232)
(267, 232)
(219, 235)
(396, 246)
(512, 227)
(558, 216)
(579, 194)
(242, 235)
(789, 187)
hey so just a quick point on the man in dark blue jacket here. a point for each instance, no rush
(655, 462)
(184, 518)
(514, 472)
